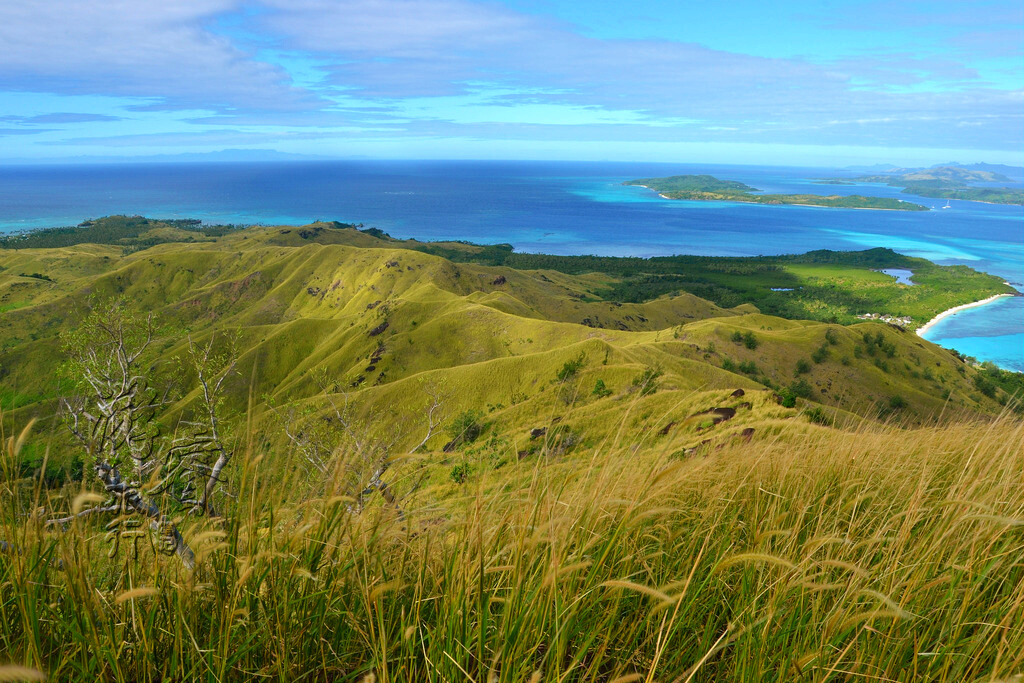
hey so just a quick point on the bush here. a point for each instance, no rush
(460, 473)
(817, 416)
(749, 367)
(466, 428)
(562, 439)
(737, 337)
(820, 354)
(897, 402)
(728, 364)
(802, 367)
(572, 368)
(831, 337)
(801, 388)
(647, 381)
(600, 390)
(750, 341)
(798, 389)
(984, 385)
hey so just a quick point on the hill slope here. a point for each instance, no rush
(381, 321)
(573, 486)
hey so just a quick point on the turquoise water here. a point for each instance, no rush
(992, 332)
(561, 208)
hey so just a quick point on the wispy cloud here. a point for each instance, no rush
(4, 132)
(202, 73)
(120, 47)
(60, 117)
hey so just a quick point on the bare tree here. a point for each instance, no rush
(335, 442)
(435, 413)
(146, 473)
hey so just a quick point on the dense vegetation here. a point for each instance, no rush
(829, 286)
(709, 188)
(318, 453)
(134, 232)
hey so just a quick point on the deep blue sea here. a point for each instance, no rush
(554, 207)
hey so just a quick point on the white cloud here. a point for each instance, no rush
(130, 48)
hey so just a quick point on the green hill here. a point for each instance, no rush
(380, 316)
(586, 471)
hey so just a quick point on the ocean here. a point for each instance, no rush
(553, 207)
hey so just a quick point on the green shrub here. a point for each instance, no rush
(728, 364)
(820, 354)
(737, 337)
(466, 427)
(460, 473)
(748, 367)
(600, 390)
(571, 368)
(984, 385)
(750, 341)
(817, 416)
(801, 388)
(831, 337)
(647, 381)
(802, 367)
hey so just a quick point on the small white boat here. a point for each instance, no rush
(947, 205)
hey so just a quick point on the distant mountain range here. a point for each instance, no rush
(975, 182)
(1012, 173)
(224, 155)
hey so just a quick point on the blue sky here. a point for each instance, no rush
(822, 83)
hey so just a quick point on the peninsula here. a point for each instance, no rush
(711, 189)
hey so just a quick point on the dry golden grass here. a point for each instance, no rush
(873, 553)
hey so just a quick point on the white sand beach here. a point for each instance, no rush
(945, 314)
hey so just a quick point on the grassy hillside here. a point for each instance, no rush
(302, 300)
(576, 486)
(815, 555)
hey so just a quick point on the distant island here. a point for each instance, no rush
(943, 182)
(709, 188)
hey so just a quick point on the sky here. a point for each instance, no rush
(823, 83)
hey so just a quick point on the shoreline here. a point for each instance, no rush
(741, 201)
(956, 309)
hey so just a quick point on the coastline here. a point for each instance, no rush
(956, 309)
(741, 201)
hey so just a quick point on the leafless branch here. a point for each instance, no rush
(146, 472)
